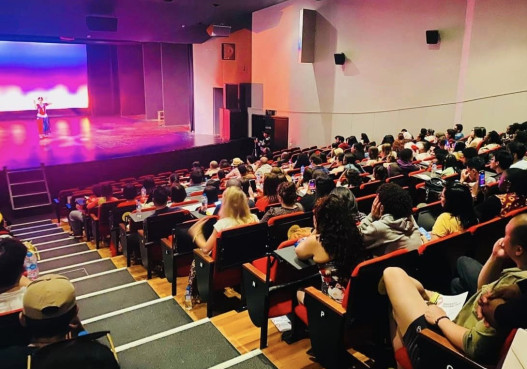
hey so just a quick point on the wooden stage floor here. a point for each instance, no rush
(78, 139)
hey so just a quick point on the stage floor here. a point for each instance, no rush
(78, 139)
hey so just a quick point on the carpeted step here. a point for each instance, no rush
(256, 362)
(201, 346)
(85, 269)
(62, 250)
(53, 244)
(161, 316)
(104, 303)
(53, 237)
(30, 224)
(116, 277)
(68, 260)
(28, 234)
(40, 227)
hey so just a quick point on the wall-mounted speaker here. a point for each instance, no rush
(340, 59)
(308, 22)
(97, 23)
(215, 30)
(432, 37)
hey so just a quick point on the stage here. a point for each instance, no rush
(78, 139)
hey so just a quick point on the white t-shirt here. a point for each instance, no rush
(11, 301)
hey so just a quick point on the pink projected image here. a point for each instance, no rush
(28, 70)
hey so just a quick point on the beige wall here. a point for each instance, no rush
(211, 71)
(393, 79)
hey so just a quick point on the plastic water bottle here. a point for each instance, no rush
(302, 169)
(188, 299)
(143, 193)
(434, 170)
(138, 208)
(30, 264)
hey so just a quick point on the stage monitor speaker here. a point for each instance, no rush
(215, 30)
(96, 23)
(432, 37)
(308, 22)
(340, 59)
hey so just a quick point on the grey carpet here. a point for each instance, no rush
(256, 362)
(103, 282)
(63, 251)
(126, 328)
(38, 232)
(40, 222)
(115, 300)
(38, 227)
(53, 237)
(64, 242)
(88, 269)
(73, 259)
(199, 347)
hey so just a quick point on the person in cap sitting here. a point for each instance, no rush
(49, 313)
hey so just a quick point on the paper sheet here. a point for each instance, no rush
(452, 304)
(282, 323)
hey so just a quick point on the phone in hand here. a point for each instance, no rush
(311, 186)
(425, 233)
(481, 181)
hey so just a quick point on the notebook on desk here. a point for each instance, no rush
(288, 255)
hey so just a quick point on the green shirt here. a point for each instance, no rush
(480, 343)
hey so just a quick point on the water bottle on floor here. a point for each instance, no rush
(30, 264)
(188, 299)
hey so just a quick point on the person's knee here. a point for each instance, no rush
(392, 272)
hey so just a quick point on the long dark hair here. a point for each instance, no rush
(339, 235)
(458, 202)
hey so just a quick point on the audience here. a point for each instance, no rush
(286, 194)
(390, 225)
(517, 151)
(270, 187)
(403, 165)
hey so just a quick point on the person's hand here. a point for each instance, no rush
(498, 250)
(501, 293)
(474, 189)
(464, 176)
(376, 209)
(486, 311)
(432, 313)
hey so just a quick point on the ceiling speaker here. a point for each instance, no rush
(215, 30)
(96, 23)
(432, 37)
(340, 59)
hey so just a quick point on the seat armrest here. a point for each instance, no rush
(326, 300)
(255, 271)
(206, 258)
(440, 340)
(166, 242)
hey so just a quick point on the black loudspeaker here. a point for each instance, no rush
(432, 37)
(340, 59)
(96, 23)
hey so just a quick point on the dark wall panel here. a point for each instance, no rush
(153, 79)
(177, 83)
(103, 82)
(131, 83)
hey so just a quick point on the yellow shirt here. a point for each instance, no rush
(446, 224)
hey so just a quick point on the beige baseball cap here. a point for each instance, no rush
(236, 162)
(49, 296)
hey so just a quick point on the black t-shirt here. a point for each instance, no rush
(15, 357)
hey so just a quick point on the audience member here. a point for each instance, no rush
(12, 281)
(335, 246)
(270, 187)
(458, 211)
(459, 131)
(390, 225)
(475, 139)
(492, 141)
(499, 161)
(286, 193)
(517, 151)
(450, 166)
(403, 165)
(263, 167)
(213, 169)
(195, 181)
(177, 193)
(323, 186)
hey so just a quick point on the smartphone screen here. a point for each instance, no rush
(312, 184)
(481, 178)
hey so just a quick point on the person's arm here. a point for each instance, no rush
(453, 332)
(492, 268)
(205, 245)
(439, 229)
(306, 248)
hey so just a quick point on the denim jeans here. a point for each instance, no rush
(468, 270)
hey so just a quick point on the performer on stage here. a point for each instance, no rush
(264, 145)
(44, 129)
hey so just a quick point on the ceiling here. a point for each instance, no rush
(175, 21)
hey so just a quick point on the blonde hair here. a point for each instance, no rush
(235, 206)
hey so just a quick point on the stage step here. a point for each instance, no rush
(28, 188)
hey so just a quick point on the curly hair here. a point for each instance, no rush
(287, 191)
(395, 200)
(458, 202)
(339, 235)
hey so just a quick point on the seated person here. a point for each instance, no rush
(390, 225)
(450, 166)
(517, 150)
(160, 199)
(373, 156)
(213, 169)
(413, 311)
(234, 212)
(380, 173)
(4, 228)
(177, 193)
(12, 281)
(499, 161)
(235, 173)
(129, 194)
(470, 175)
(287, 197)
(270, 186)
(476, 137)
(196, 180)
(491, 142)
(403, 165)
(233, 182)
(76, 217)
(505, 306)
(459, 131)
(323, 186)
(514, 183)
(335, 245)
(350, 178)
(49, 314)
(458, 214)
